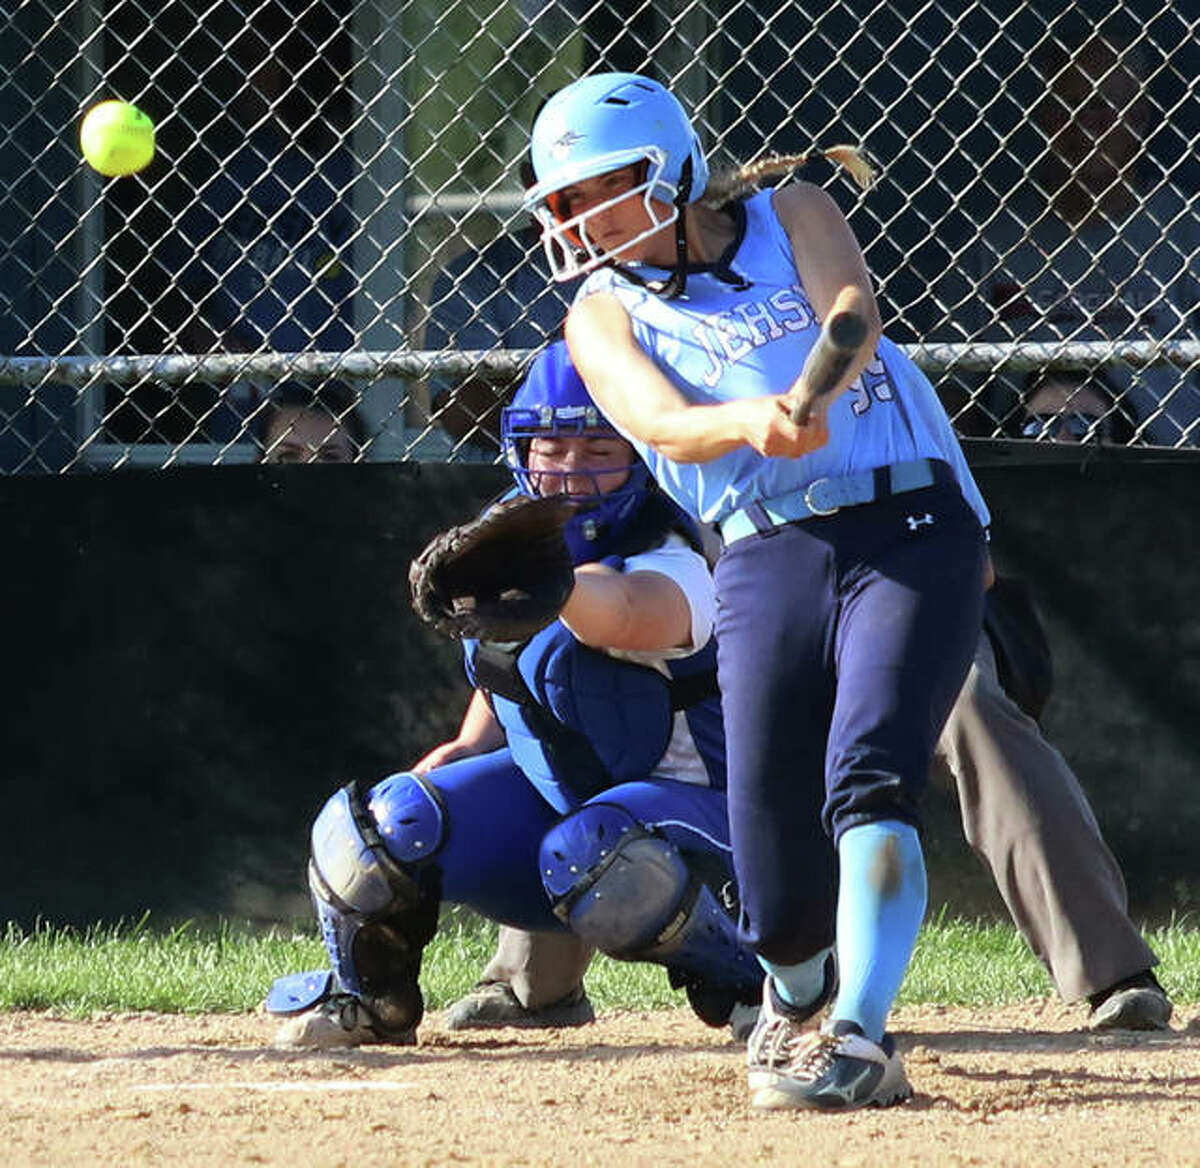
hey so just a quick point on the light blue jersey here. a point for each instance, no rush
(723, 341)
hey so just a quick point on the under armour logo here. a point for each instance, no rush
(914, 521)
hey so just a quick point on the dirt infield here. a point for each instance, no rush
(1015, 1086)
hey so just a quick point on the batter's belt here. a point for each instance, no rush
(828, 496)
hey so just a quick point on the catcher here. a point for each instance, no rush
(584, 794)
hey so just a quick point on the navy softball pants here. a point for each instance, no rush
(842, 644)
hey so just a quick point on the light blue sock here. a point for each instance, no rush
(881, 903)
(798, 985)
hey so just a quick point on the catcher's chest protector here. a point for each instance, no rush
(586, 721)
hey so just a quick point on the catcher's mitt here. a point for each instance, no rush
(501, 577)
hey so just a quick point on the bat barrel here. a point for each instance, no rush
(841, 336)
(846, 330)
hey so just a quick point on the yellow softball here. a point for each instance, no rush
(116, 138)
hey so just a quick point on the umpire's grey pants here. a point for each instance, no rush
(1027, 818)
(541, 968)
(1025, 815)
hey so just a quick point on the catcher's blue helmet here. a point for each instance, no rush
(553, 402)
(599, 124)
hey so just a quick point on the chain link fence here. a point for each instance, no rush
(327, 258)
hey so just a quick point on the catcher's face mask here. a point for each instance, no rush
(569, 450)
(588, 464)
(578, 455)
(578, 452)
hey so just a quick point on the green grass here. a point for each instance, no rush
(227, 969)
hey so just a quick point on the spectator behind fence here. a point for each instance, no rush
(301, 424)
(498, 298)
(1074, 407)
(1090, 248)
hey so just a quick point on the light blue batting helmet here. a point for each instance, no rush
(599, 124)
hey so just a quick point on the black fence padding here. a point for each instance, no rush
(199, 657)
(1111, 548)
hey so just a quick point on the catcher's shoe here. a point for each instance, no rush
(836, 1069)
(780, 1026)
(742, 1021)
(718, 1005)
(339, 1021)
(1137, 1003)
(493, 1005)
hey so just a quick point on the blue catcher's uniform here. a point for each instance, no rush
(850, 586)
(605, 812)
(579, 720)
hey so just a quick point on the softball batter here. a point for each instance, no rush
(850, 590)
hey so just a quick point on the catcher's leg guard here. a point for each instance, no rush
(632, 895)
(293, 993)
(376, 914)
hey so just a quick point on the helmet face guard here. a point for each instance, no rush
(553, 402)
(570, 250)
(520, 425)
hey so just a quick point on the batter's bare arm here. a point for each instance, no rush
(631, 390)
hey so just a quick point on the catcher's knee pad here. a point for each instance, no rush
(409, 817)
(632, 895)
(376, 914)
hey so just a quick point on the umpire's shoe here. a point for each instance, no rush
(492, 1005)
(1137, 1003)
(339, 1021)
(836, 1069)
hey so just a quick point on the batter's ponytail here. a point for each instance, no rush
(727, 185)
